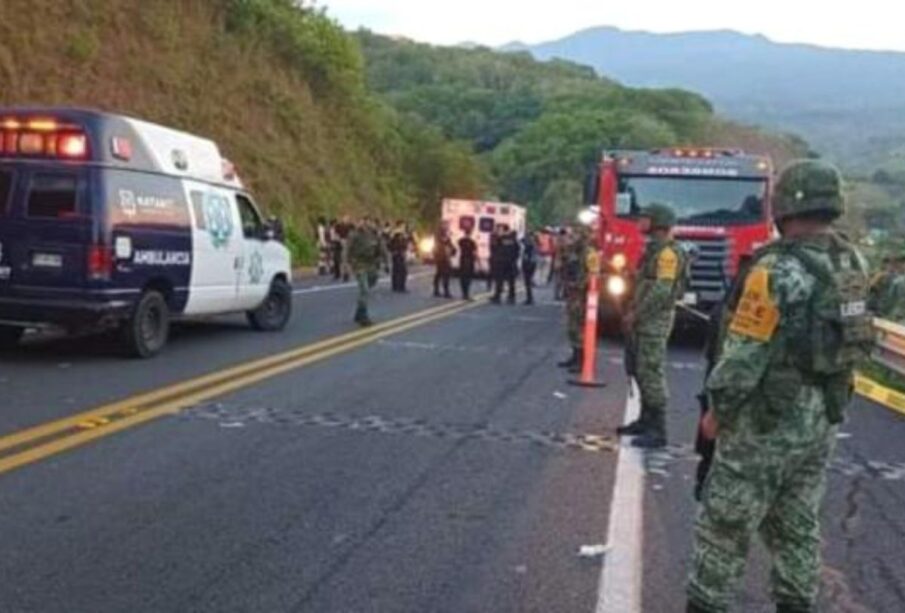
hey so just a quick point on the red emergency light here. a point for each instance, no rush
(41, 137)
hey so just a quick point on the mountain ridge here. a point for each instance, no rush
(849, 103)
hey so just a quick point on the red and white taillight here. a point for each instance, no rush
(42, 138)
(100, 263)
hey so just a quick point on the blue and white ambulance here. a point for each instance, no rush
(108, 222)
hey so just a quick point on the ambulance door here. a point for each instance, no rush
(259, 261)
(217, 251)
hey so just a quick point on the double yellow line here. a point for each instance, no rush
(40, 442)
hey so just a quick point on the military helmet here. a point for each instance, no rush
(806, 187)
(661, 216)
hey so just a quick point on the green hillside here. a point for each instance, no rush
(323, 122)
(281, 89)
(538, 126)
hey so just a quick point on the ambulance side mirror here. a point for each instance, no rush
(273, 230)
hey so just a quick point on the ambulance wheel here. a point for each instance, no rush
(10, 336)
(147, 331)
(275, 311)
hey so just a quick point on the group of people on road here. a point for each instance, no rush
(509, 254)
(333, 247)
(784, 348)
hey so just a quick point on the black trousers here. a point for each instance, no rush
(441, 278)
(528, 271)
(337, 253)
(466, 274)
(400, 272)
(505, 275)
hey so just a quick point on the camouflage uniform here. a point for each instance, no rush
(892, 306)
(778, 392)
(887, 295)
(574, 275)
(660, 277)
(366, 253)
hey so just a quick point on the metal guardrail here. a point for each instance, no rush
(890, 348)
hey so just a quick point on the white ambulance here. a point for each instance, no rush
(482, 218)
(108, 222)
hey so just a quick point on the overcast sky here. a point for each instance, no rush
(864, 24)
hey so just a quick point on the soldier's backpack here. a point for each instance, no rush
(838, 335)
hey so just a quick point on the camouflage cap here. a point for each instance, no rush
(661, 216)
(806, 187)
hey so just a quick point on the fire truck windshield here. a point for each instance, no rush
(696, 201)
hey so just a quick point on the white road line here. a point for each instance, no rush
(620, 578)
(329, 288)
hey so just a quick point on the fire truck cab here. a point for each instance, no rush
(721, 198)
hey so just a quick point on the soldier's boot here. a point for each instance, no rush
(636, 428)
(793, 608)
(694, 607)
(579, 363)
(654, 436)
(361, 317)
(572, 361)
(639, 426)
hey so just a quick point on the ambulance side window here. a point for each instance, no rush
(487, 225)
(53, 196)
(251, 219)
(6, 186)
(198, 208)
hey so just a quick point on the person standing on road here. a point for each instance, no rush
(365, 254)
(887, 295)
(398, 248)
(444, 252)
(573, 274)
(507, 254)
(468, 253)
(649, 323)
(529, 265)
(560, 243)
(778, 393)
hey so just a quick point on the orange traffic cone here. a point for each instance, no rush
(589, 363)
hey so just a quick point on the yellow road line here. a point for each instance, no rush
(104, 421)
(880, 394)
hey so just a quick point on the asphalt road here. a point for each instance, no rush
(445, 468)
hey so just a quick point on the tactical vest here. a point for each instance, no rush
(574, 263)
(838, 331)
(651, 262)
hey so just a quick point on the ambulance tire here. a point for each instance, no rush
(146, 332)
(10, 336)
(276, 310)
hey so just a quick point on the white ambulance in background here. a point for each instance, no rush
(482, 218)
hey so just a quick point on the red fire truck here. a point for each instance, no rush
(721, 198)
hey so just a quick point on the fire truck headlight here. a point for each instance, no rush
(619, 262)
(616, 287)
(426, 245)
(587, 217)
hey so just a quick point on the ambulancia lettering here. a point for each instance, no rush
(162, 258)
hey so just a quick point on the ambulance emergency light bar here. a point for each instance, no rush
(44, 138)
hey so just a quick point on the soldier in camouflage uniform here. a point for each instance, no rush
(649, 323)
(366, 253)
(777, 395)
(888, 294)
(574, 275)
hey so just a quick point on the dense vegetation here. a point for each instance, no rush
(539, 126)
(321, 122)
(280, 87)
